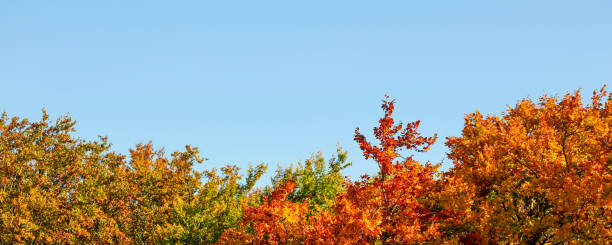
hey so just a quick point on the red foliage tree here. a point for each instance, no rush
(391, 207)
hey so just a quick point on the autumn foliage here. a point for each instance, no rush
(389, 207)
(539, 173)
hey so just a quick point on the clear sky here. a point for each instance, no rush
(273, 82)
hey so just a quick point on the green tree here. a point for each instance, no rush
(316, 181)
(218, 205)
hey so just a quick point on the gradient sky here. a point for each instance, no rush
(260, 81)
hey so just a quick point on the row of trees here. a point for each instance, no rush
(540, 173)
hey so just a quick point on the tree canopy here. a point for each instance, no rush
(538, 173)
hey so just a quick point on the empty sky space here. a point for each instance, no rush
(275, 81)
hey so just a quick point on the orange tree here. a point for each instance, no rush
(58, 189)
(539, 173)
(55, 188)
(389, 208)
(276, 221)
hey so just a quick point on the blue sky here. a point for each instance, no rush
(260, 81)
